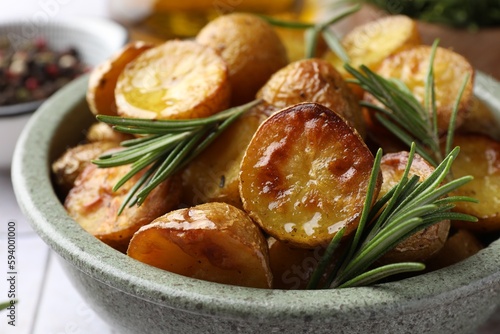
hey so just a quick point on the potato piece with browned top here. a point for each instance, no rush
(480, 157)
(68, 166)
(369, 44)
(450, 69)
(313, 80)
(174, 80)
(215, 242)
(250, 47)
(425, 243)
(305, 175)
(103, 78)
(209, 179)
(94, 205)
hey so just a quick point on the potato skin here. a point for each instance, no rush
(458, 247)
(305, 174)
(313, 80)
(103, 78)
(68, 166)
(94, 205)
(251, 48)
(292, 267)
(480, 157)
(424, 244)
(216, 242)
(206, 179)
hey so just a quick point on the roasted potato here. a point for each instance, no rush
(215, 242)
(174, 80)
(480, 157)
(99, 132)
(313, 80)
(251, 48)
(206, 179)
(68, 166)
(369, 44)
(103, 78)
(411, 66)
(481, 120)
(94, 205)
(459, 246)
(424, 244)
(304, 175)
(292, 267)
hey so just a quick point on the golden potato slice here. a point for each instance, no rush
(369, 44)
(103, 132)
(450, 68)
(480, 157)
(215, 242)
(207, 179)
(292, 267)
(305, 174)
(424, 244)
(313, 80)
(481, 120)
(94, 205)
(103, 78)
(68, 166)
(459, 246)
(251, 48)
(174, 80)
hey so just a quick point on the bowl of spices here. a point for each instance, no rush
(37, 59)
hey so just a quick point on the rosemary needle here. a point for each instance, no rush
(165, 146)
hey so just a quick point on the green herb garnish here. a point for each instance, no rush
(408, 208)
(456, 13)
(164, 148)
(403, 115)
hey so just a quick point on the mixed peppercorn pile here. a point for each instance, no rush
(34, 71)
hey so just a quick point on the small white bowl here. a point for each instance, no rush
(96, 39)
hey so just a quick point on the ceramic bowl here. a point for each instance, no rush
(95, 39)
(136, 298)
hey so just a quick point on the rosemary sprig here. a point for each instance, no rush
(165, 147)
(403, 115)
(408, 208)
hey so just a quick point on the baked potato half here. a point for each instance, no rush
(94, 205)
(216, 242)
(313, 80)
(250, 47)
(424, 244)
(480, 157)
(69, 165)
(103, 78)
(305, 174)
(450, 69)
(174, 80)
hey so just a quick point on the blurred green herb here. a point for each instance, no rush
(457, 13)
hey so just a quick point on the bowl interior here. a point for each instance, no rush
(61, 122)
